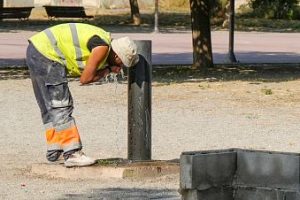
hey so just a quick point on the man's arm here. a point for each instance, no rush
(90, 72)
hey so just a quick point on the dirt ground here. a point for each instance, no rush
(228, 108)
(259, 110)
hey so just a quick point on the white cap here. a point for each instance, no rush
(126, 49)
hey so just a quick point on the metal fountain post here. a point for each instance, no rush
(139, 104)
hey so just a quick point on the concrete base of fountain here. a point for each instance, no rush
(108, 168)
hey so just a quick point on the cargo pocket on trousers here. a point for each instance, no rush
(59, 94)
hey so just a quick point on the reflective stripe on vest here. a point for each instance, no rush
(76, 45)
(54, 44)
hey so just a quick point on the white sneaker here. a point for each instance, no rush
(78, 159)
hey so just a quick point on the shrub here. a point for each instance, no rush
(274, 9)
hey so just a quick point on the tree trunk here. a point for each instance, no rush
(135, 13)
(202, 48)
(1, 6)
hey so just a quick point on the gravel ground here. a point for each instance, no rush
(186, 117)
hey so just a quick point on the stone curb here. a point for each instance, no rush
(96, 172)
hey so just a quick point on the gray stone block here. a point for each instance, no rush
(292, 196)
(258, 194)
(186, 168)
(267, 169)
(207, 170)
(224, 193)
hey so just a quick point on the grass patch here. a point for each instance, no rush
(268, 25)
(112, 162)
(259, 73)
(267, 91)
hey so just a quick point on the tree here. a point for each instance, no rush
(135, 13)
(1, 6)
(202, 48)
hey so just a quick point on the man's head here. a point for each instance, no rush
(126, 51)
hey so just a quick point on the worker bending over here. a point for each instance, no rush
(78, 50)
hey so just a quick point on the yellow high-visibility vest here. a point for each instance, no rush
(67, 44)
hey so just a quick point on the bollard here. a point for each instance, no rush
(139, 104)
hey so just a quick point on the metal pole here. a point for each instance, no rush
(156, 30)
(231, 55)
(139, 104)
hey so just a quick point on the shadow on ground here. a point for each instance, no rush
(165, 75)
(239, 72)
(222, 58)
(126, 193)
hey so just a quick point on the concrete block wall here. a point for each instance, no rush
(18, 3)
(106, 4)
(264, 194)
(40, 3)
(263, 169)
(237, 174)
(202, 171)
(66, 3)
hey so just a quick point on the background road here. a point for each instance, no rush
(176, 48)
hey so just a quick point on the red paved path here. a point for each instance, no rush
(176, 48)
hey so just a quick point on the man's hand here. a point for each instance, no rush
(115, 69)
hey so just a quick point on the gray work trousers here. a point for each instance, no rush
(50, 85)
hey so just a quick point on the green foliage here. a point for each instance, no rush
(171, 5)
(296, 13)
(261, 24)
(267, 91)
(218, 8)
(275, 9)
